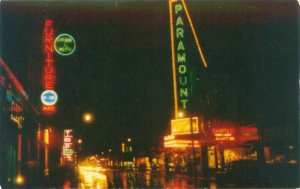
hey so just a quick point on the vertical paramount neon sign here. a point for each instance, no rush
(179, 16)
(49, 96)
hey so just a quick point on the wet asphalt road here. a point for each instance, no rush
(132, 179)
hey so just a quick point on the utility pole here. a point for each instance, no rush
(193, 149)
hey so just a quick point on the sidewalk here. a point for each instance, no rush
(56, 179)
(200, 176)
(199, 182)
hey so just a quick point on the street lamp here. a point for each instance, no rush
(20, 180)
(180, 114)
(88, 117)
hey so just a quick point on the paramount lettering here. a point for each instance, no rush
(181, 82)
(184, 102)
(179, 21)
(181, 57)
(180, 46)
(179, 33)
(178, 8)
(184, 92)
(182, 69)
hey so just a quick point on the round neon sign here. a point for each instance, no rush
(49, 97)
(64, 44)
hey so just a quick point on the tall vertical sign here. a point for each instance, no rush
(48, 96)
(68, 148)
(179, 19)
(181, 66)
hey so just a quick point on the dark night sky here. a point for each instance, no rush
(121, 70)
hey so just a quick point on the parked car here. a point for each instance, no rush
(243, 173)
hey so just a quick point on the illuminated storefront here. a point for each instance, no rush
(18, 126)
(194, 140)
(230, 142)
(179, 146)
(216, 144)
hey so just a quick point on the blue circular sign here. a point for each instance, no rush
(49, 97)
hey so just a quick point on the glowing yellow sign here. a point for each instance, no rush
(182, 126)
(180, 144)
(46, 136)
(18, 119)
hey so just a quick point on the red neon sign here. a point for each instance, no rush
(49, 73)
(49, 70)
(15, 108)
(48, 108)
(223, 134)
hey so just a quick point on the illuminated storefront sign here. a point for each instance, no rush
(249, 133)
(64, 44)
(49, 96)
(68, 149)
(15, 108)
(16, 114)
(48, 109)
(46, 137)
(180, 59)
(224, 134)
(18, 119)
(49, 70)
(182, 126)
(169, 137)
(171, 142)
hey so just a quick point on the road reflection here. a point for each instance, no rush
(92, 177)
(97, 177)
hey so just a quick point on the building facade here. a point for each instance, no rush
(19, 126)
(210, 147)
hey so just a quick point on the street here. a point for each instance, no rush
(113, 178)
(97, 177)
